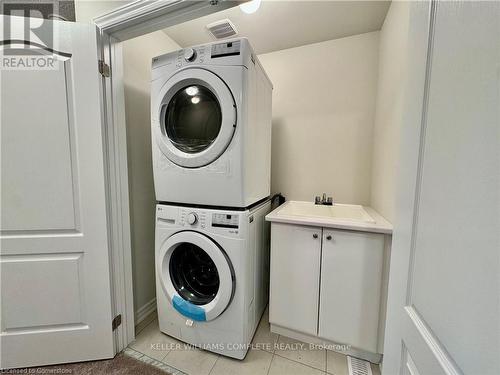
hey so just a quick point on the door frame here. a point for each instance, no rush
(137, 18)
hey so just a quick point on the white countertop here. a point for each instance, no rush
(283, 214)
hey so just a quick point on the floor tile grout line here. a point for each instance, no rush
(301, 363)
(264, 350)
(216, 360)
(138, 351)
(157, 360)
(165, 356)
(326, 362)
(161, 361)
(276, 342)
(273, 355)
(218, 357)
(270, 364)
(147, 325)
(133, 350)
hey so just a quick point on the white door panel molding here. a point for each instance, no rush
(443, 294)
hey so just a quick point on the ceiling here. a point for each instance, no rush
(285, 24)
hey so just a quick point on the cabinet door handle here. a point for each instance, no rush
(328, 237)
(315, 235)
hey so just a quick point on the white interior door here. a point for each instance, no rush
(443, 308)
(55, 276)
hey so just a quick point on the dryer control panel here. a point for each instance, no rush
(223, 220)
(235, 52)
(226, 49)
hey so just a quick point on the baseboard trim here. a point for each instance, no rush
(144, 311)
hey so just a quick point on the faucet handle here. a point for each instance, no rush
(317, 200)
(329, 201)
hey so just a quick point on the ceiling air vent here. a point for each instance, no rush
(222, 29)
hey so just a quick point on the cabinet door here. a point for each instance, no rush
(351, 278)
(295, 269)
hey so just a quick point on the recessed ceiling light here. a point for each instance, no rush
(250, 6)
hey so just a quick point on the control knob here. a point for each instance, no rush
(192, 218)
(189, 54)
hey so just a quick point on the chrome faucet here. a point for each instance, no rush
(326, 201)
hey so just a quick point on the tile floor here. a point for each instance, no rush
(274, 355)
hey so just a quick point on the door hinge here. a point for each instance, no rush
(104, 68)
(117, 321)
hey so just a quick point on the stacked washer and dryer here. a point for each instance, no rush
(211, 130)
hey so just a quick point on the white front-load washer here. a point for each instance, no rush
(211, 125)
(212, 272)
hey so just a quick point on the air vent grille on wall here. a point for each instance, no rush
(222, 29)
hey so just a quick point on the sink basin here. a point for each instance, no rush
(339, 216)
(347, 212)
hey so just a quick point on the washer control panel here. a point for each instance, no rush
(193, 218)
(228, 223)
(196, 218)
(225, 220)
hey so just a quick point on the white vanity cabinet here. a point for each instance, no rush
(294, 277)
(326, 284)
(350, 287)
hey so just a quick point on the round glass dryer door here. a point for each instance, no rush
(196, 118)
(193, 119)
(196, 275)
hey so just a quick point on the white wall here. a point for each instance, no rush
(389, 107)
(137, 55)
(323, 110)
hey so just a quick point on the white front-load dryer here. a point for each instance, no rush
(211, 126)
(212, 272)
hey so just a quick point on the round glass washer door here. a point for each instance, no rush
(195, 118)
(196, 275)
